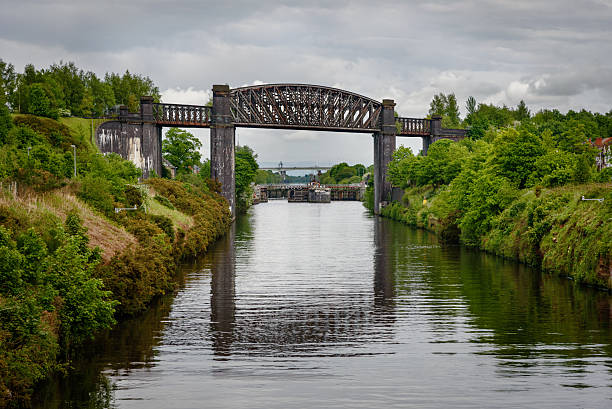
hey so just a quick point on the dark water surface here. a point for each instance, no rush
(323, 306)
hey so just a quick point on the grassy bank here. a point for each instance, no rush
(69, 264)
(551, 228)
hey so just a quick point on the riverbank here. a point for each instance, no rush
(551, 228)
(70, 264)
(127, 263)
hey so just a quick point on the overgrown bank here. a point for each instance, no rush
(518, 191)
(69, 264)
(549, 228)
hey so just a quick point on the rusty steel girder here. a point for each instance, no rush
(413, 126)
(196, 116)
(300, 106)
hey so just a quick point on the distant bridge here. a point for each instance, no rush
(137, 136)
(354, 191)
(281, 168)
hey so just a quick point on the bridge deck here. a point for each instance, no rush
(200, 116)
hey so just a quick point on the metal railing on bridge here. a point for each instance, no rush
(413, 126)
(182, 115)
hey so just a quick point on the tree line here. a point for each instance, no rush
(482, 175)
(63, 89)
(480, 117)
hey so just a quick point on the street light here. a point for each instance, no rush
(74, 156)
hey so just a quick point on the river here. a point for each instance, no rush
(324, 306)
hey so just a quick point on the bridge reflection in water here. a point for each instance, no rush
(303, 326)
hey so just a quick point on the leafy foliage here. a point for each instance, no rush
(246, 169)
(445, 106)
(64, 88)
(48, 299)
(181, 149)
(343, 173)
(516, 189)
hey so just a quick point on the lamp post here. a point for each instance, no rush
(74, 157)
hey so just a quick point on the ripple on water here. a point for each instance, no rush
(324, 306)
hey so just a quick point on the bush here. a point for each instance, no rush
(164, 201)
(165, 224)
(39, 102)
(139, 274)
(96, 191)
(57, 134)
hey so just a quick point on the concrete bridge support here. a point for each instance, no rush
(222, 141)
(384, 146)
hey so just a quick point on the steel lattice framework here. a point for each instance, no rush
(301, 106)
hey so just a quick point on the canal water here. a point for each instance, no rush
(324, 306)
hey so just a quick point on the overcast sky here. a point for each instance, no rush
(552, 54)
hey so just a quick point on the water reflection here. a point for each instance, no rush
(324, 306)
(383, 274)
(223, 293)
(288, 324)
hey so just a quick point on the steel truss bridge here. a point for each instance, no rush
(296, 106)
(272, 106)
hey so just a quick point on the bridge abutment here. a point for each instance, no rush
(384, 146)
(222, 141)
(135, 137)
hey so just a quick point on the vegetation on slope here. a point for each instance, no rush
(69, 264)
(517, 192)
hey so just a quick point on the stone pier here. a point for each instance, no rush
(222, 141)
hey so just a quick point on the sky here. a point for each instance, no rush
(553, 54)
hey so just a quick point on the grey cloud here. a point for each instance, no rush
(573, 83)
(494, 50)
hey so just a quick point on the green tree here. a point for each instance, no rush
(8, 83)
(446, 106)
(246, 170)
(39, 102)
(70, 80)
(6, 123)
(516, 152)
(86, 307)
(522, 112)
(470, 106)
(451, 112)
(181, 149)
(128, 89)
(401, 168)
(437, 106)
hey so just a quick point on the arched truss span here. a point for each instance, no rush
(301, 106)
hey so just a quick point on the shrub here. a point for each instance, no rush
(95, 191)
(164, 201)
(165, 224)
(58, 134)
